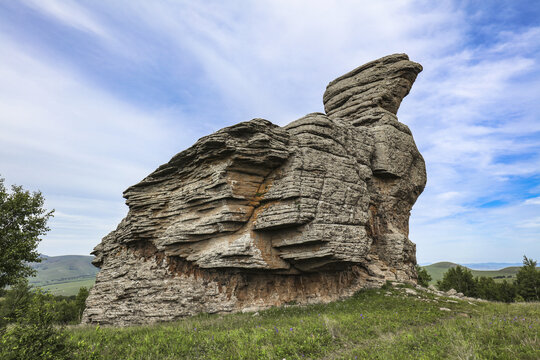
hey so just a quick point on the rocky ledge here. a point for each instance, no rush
(257, 215)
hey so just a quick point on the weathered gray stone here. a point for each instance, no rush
(451, 292)
(257, 215)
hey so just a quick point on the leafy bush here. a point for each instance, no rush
(34, 335)
(66, 309)
(488, 289)
(506, 292)
(423, 277)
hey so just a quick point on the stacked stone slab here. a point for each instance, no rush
(257, 215)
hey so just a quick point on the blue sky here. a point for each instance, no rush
(96, 95)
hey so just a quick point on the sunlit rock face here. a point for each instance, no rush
(257, 215)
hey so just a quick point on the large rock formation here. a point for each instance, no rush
(257, 215)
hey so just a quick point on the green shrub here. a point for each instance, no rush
(15, 301)
(34, 336)
(66, 309)
(506, 292)
(459, 279)
(487, 288)
(423, 277)
(66, 312)
(80, 302)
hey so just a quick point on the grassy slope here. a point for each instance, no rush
(437, 271)
(68, 288)
(64, 275)
(371, 325)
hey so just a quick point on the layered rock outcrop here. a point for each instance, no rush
(257, 215)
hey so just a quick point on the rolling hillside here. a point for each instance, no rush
(64, 275)
(437, 271)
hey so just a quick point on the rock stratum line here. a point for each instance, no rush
(257, 215)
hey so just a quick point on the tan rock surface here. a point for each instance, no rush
(257, 215)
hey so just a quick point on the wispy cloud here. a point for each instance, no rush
(71, 14)
(533, 201)
(476, 129)
(76, 142)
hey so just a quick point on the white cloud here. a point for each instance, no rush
(65, 137)
(472, 110)
(71, 14)
(531, 223)
(533, 201)
(273, 59)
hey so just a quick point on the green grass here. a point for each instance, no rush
(68, 288)
(370, 325)
(437, 271)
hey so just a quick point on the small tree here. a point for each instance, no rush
(423, 277)
(66, 311)
(486, 288)
(459, 279)
(80, 301)
(528, 280)
(22, 221)
(506, 292)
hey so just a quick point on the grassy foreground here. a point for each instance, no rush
(374, 324)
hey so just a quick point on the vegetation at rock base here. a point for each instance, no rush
(32, 333)
(22, 221)
(391, 323)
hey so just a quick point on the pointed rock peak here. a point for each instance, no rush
(381, 83)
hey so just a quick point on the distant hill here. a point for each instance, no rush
(437, 270)
(64, 275)
(491, 265)
(508, 273)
